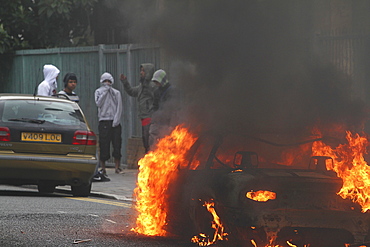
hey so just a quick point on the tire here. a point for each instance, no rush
(82, 190)
(45, 188)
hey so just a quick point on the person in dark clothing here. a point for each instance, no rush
(162, 113)
(163, 93)
(145, 98)
(70, 83)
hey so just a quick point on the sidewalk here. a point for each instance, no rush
(120, 186)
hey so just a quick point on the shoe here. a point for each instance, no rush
(96, 178)
(104, 178)
(101, 171)
(119, 171)
(100, 177)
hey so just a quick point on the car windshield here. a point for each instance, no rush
(264, 151)
(39, 112)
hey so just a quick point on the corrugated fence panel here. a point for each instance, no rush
(347, 50)
(88, 63)
(26, 71)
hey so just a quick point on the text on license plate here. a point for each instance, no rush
(41, 137)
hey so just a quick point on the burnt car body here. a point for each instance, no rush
(45, 141)
(306, 210)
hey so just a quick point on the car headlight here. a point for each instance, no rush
(261, 195)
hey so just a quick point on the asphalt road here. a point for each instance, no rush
(30, 219)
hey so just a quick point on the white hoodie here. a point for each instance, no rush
(109, 101)
(49, 85)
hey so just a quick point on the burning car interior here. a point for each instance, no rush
(258, 191)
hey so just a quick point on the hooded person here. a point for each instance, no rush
(164, 88)
(163, 113)
(49, 85)
(70, 83)
(109, 103)
(145, 98)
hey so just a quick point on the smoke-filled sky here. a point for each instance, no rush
(251, 64)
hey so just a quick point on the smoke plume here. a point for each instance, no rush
(247, 65)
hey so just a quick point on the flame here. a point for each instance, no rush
(290, 244)
(273, 245)
(261, 195)
(350, 165)
(294, 155)
(219, 234)
(157, 170)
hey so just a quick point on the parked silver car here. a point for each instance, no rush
(45, 141)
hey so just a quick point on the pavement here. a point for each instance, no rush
(120, 186)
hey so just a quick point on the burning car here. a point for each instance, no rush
(257, 191)
(45, 141)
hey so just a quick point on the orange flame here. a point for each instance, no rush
(273, 245)
(350, 165)
(261, 195)
(157, 170)
(203, 239)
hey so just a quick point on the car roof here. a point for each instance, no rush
(9, 96)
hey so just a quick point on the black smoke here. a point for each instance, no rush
(252, 65)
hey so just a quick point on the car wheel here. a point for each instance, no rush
(45, 188)
(82, 190)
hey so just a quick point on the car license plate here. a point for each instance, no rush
(41, 137)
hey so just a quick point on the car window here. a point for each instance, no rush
(270, 152)
(201, 153)
(54, 112)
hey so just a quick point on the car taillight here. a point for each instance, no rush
(4, 134)
(84, 138)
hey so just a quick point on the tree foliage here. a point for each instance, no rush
(44, 23)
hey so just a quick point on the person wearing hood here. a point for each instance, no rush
(163, 113)
(49, 85)
(163, 93)
(145, 98)
(109, 103)
(70, 83)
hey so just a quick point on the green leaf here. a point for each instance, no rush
(49, 12)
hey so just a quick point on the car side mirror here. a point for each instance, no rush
(245, 160)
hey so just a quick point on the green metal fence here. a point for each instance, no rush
(88, 63)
